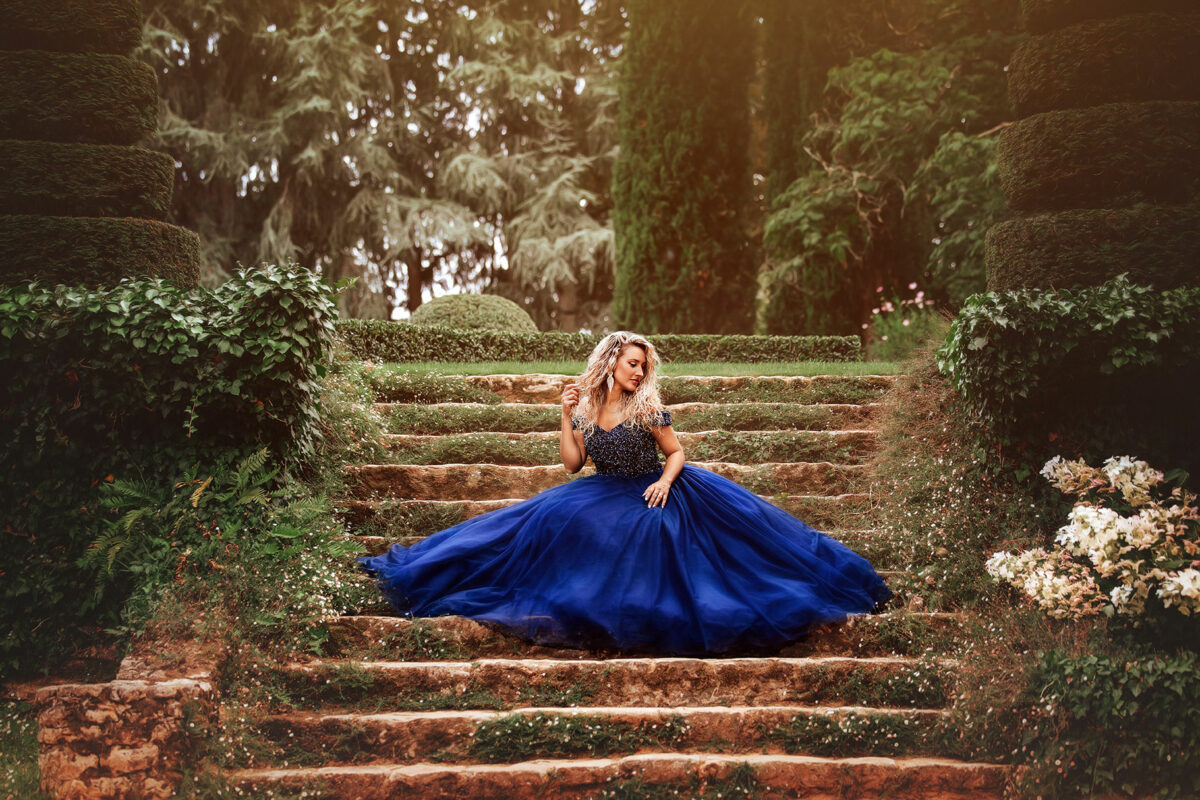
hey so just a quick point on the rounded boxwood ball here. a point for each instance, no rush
(475, 312)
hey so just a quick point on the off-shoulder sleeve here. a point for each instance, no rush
(665, 416)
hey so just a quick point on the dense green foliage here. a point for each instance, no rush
(476, 152)
(681, 185)
(1041, 16)
(376, 340)
(1106, 156)
(76, 97)
(1084, 247)
(84, 180)
(95, 250)
(133, 382)
(474, 312)
(232, 536)
(1099, 370)
(1118, 724)
(1145, 57)
(107, 26)
(900, 187)
(796, 57)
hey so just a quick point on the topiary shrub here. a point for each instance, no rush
(1106, 156)
(1041, 16)
(100, 26)
(1157, 245)
(1132, 58)
(475, 312)
(84, 180)
(76, 97)
(96, 250)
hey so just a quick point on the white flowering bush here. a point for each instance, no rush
(1130, 546)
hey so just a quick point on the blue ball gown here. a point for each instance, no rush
(589, 564)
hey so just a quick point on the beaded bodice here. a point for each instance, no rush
(624, 450)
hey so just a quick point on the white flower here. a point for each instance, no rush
(1132, 478)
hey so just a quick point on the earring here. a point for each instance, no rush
(610, 380)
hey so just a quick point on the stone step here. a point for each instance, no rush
(397, 638)
(393, 386)
(473, 736)
(541, 447)
(439, 418)
(497, 482)
(878, 681)
(776, 776)
(402, 519)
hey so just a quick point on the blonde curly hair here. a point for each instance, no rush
(641, 408)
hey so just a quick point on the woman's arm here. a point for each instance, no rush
(656, 493)
(570, 444)
(665, 435)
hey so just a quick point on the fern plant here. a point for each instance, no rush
(161, 528)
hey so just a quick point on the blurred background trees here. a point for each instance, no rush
(824, 155)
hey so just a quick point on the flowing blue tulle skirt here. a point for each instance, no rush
(589, 564)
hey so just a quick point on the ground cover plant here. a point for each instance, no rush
(138, 379)
(1098, 635)
(19, 773)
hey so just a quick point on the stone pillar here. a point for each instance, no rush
(119, 740)
(79, 201)
(1102, 165)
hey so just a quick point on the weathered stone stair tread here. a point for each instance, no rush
(814, 777)
(418, 735)
(498, 481)
(666, 681)
(370, 633)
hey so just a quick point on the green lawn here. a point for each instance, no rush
(692, 368)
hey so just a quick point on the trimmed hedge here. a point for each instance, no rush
(1107, 156)
(1132, 58)
(96, 250)
(379, 340)
(1157, 245)
(76, 97)
(84, 180)
(1041, 16)
(475, 312)
(105, 26)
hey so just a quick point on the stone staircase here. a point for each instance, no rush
(448, 707)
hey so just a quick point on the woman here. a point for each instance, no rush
(645, 556)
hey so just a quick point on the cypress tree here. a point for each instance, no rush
(797, 56)
(681, 183)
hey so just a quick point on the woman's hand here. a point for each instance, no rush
(570, 398)
(656, 493)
